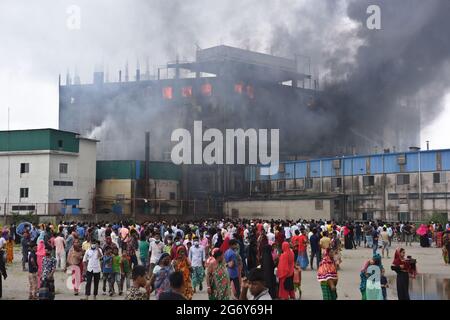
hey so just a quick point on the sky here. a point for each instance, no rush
(39, 42)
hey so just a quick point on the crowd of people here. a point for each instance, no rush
(232, 258)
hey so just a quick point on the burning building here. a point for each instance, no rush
(225, 88)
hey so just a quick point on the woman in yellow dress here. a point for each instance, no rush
(182, 264)
(9, 249)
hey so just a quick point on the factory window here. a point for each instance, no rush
(206, 89)
(308, 183)
(281, 185)
(24, 167)
(172, 195)
(366, 216)
(404, 216)
(186, 92)
(439, 177)
(402, 179)
(336, 183)
(368, 181)
(60, 144)
(250, 92)
(318, 204)
(63, 168)
(167, 93)
(238, 88)
(63, 183)
(24, 192)
(23, 208)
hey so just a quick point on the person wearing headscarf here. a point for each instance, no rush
(252, 250)
(75, 262)
(403, 267)
(268, 266)
(446, 246)
(262, 242)
(9, 248)
(225, 244)
(40, 253)
(182, 264)
(370, 286)
(327, 275)
(285, 273)
(160, 277)
(217, 277)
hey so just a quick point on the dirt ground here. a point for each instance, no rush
(433, 281)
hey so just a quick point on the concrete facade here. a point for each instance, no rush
(34, 182)
(279, 209)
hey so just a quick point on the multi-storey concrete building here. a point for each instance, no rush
(46, 171)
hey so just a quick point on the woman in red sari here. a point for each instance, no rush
(404, 267)
(285, 271)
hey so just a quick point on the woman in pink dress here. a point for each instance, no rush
(40, 256)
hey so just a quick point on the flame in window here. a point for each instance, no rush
(238, 88)
(186, 91)
(168, 93)
(206, 89)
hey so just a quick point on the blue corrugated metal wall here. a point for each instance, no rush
(357, 165)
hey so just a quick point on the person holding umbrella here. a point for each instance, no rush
(423, 233)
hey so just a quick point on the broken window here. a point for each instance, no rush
(368, 181)
(336, 183)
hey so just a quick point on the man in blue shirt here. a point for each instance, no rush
(232, 265)
(80, 231)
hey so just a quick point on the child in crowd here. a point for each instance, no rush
(298, 280)
(116, 270)
(107, 268)
(384, 284)
(125, 270)
(33, 272)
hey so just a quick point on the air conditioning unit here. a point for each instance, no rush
(401, 159)
(337, 164)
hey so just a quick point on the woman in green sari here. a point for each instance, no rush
(370, 275)
(217, 279)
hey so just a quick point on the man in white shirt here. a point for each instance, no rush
(287, 232)
(155, 250)
(92, 268)
(101, 235)
(197, 258)
(60, 251)
(270, 237)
